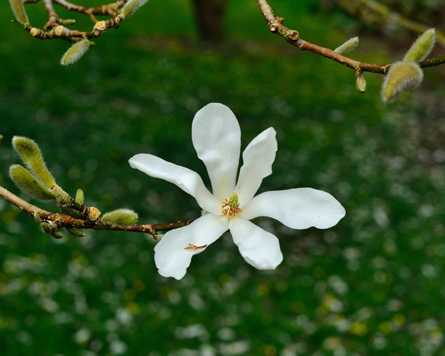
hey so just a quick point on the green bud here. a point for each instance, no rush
(28, 183)
(120, 217)
(47, 228)
(75, 232)
(79, 196)
(422, 47)
(233, 200)
(75, 52)
(348, 46)
(68, 22)
(132, 6)
(37, 218)
(1, 137)
(360, 82)
(19, 11)
(57, 235)
(400, 77)
(32, 157)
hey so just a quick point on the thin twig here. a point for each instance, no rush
(293, 37)
(66, 221)
(109, 9)
(53, 20)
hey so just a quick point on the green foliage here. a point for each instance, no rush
(370, 286)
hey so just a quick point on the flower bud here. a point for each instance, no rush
(32, 157)
(422, 47)
(400, 77)
(27, 183)
(120, 217)
(79, 196)
(348, 46)
(132, 6)
(37, 218)
(57, 235)
(69, 22)
(75, 52)
(47, 228)
(75, 232)
(19, 11)
(360, 82)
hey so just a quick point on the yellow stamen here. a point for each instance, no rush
(231, 206)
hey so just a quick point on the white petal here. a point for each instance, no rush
(171, 254)
(186, 179)
(216, 136)
(259, 248)
(296, 208)
(257, 164)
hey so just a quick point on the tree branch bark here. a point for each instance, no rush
(66, 221)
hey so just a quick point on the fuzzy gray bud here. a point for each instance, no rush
(75, 52)
(32, 157)
(27, 183)
(120, 217)
(400, 77)
(348, 46)
(132, 6)
(422, 47)
(19, 11)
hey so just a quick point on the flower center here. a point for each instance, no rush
(231, 206)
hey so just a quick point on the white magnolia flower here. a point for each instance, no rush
(216, 137)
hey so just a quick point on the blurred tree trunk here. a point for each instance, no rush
(210, 16)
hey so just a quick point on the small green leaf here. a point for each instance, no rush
(79, 196)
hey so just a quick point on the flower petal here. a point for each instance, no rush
(216, 136)
(174, 252)
(259, 248)
(296, 208)
(186, 179)
(258, 158)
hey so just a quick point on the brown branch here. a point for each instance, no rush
(292, 37)
(110, 9)
(53, 20)
(69, 222)
(58, 31)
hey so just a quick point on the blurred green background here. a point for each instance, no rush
(372, 285)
